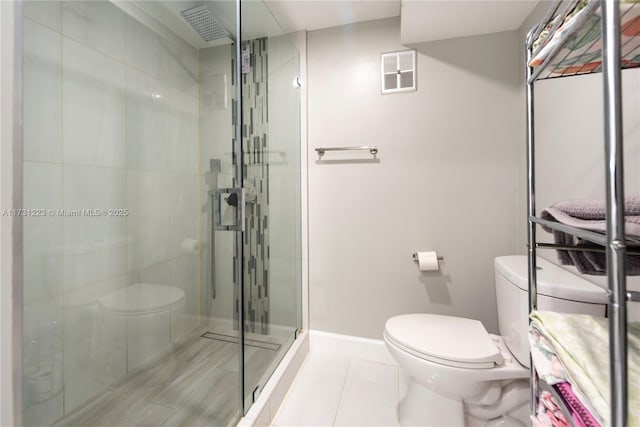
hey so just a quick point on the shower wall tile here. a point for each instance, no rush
(95, 247)
(42, 361)
(88, 263)
(93, 188)
(182, 131)
(223, 273)
(95, 352)
(215, 142)
(256, 147)
(97, 24)
(284, 107)
(105, 95)
(42, 93)
(148, 337)
(43, 413)
(183, 208)
(149, 199)
(42, 235)
(215, 92)
(92, 136)
(215, 60)
(93, 292)
(182, 65)
(147, 123)
(216, 132)
(216, 139)
(284, 294)
(184, 275)
(145, 50)
(47, 13)
(284, 205)
(157, 274)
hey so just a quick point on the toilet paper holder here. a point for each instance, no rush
(415, 257)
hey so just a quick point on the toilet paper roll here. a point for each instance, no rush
(428, 261)
(190, 246)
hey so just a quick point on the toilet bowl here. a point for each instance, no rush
(451, 361)
(148, 313)
(459, 372)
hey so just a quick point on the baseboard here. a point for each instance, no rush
(350, 346)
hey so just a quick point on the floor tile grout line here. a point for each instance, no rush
(344, 384)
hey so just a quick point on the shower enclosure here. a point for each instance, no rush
(161, 186)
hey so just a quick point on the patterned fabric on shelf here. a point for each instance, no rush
(573, 348)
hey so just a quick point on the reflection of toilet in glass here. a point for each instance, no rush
(459, 372)
(109, 327)
(147, 312)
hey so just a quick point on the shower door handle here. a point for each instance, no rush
(236, 198)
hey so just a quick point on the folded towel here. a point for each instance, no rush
(580, 51)
(548, 413)
(580, 415)
(580, 342)
(591, 215)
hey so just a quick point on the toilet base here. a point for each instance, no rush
(421, 406)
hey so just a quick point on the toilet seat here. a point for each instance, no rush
(142, 299)
(448, 340)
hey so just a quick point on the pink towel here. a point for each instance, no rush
(581, 415)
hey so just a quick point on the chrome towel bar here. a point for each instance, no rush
(371, 148)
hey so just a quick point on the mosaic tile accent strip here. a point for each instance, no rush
(255, 175)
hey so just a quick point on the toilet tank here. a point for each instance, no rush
(558, 290)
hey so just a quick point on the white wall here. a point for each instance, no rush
(447, 176)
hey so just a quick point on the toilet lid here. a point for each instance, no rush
(454, 341)
(142, 298)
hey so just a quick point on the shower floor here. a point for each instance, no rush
(196, 385)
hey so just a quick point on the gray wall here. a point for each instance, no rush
(447, 177)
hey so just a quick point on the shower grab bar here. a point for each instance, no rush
(371, 148)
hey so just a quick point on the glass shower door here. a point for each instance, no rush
(162, 278)
(271, 179)
(125, 106)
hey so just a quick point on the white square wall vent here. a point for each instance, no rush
(398, 71)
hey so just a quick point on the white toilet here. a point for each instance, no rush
(147, 312)
(459, 374)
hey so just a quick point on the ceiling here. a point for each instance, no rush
(296, 15)
(436, 20)
(421, 20)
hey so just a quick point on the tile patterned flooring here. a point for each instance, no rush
(341, 391)
(196, 385)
